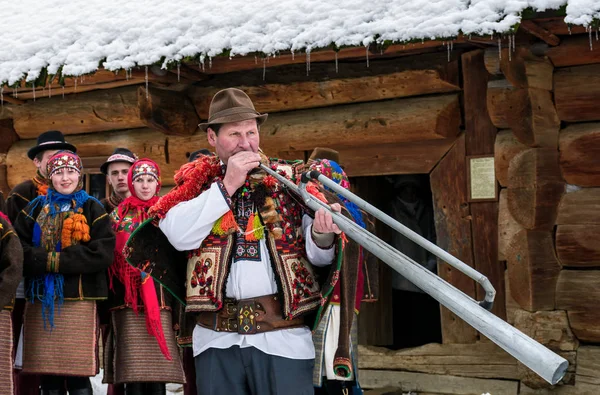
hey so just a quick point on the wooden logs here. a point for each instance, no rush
(574, 51)
(578, 229)
(578, 246)
(453, 232)
(508, 227)
(524, 70)
(577, 291)
(579, 147)
(429, 384)
(532, 269)
(8, 136)
(288, 88)
(120, 108)
(168, 111)
(530, 113)
(532, 117)
(581, 207)
(481, 359)
(588, 365)
(401, 158)
(536, 30)
(506, 148)
(535, 188)
(577, 93)
(498, 100)
(387, 122)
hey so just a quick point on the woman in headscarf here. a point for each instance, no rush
(68, 245)
(141, 350)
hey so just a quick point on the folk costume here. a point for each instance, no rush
(141, 350)
(333, 328)
(119, 155)
(11, 271)
(68, 245)
(18, 198)
(257, 260)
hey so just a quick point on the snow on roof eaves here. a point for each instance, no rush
(80, 34)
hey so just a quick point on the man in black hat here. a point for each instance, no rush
(48, 143)
(116, 168)
(194, 155)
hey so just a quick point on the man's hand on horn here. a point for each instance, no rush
(238, 167)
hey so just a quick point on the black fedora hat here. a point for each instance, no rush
(50, 140)
(118, 155)
(194, 155)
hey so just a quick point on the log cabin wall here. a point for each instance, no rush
(408, 112)
(544, 103)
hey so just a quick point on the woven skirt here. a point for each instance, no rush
(70, 348)
(132, 355)
(6, 351)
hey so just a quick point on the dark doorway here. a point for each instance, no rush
(404, 316)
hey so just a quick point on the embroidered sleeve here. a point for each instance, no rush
(223, 190)
(316, 255)
(187, 224)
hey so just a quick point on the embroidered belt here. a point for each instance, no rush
(248, 316)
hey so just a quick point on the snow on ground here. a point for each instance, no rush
(100, 389)
(83, 34)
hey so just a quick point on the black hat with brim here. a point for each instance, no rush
(50, 140)
(118, 155)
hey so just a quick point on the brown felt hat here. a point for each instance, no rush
(231, 105)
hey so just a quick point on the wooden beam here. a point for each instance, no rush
(8, 136)
(580, 207)
(435, 383)
(532, 117)
(574, 51)
(577, 292)
(558, 26)
(388, 122)
(101, 79)
(11, 100)
(480, 135)
(579, 147)
(481, 359)
(91, 112)
(533, 28)
(398, 158)
(508, 227)
(577, 93)
(291, 89)
(170, 112)
(499, 104)
(58, 91)
(532, 269)
(525, 70)
(588, 365)
(577, 245)
(453, 233)
(506, 148)
(535, 187)
(223, 64)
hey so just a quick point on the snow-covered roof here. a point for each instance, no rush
(81, 35)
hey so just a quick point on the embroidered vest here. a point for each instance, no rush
(208, 266)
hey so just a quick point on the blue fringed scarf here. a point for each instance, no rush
(337, 175)
(48, 288)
